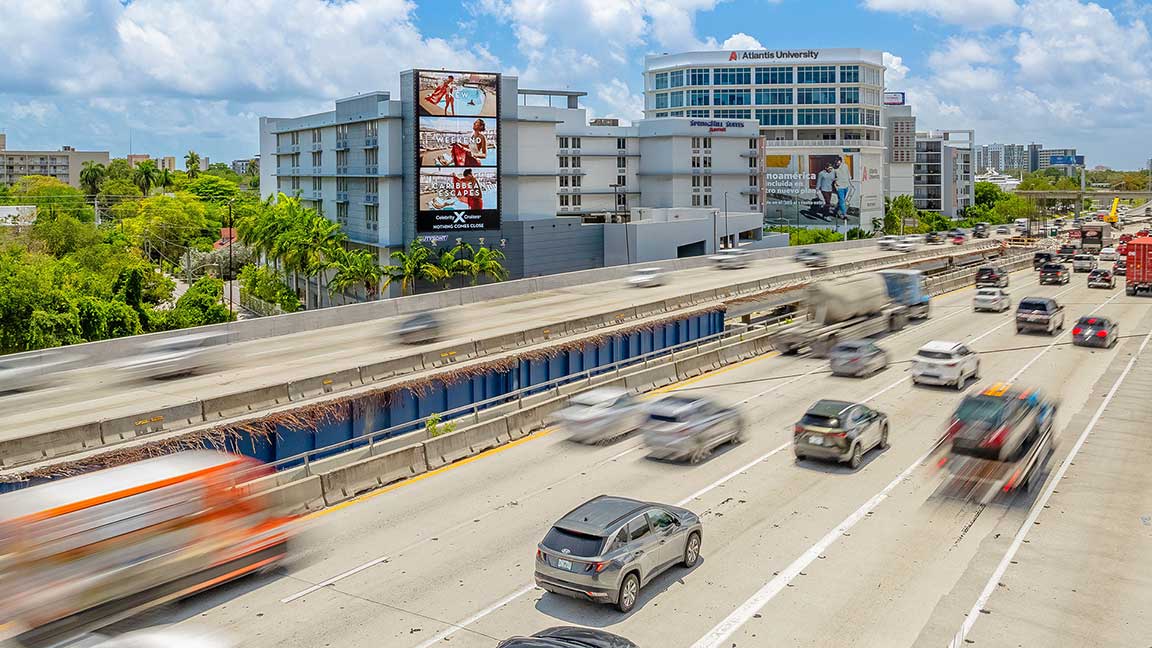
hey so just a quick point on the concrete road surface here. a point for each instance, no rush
(795, 553)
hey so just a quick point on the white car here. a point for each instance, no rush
(887, 242)
(904, 245)
(601, 415)
(1083, 263)
(917, 239)
(646, 278)
(1108, 254)
(945, 363)
(731, 258)
(991, 299)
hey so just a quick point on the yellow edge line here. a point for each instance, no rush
(508, 446)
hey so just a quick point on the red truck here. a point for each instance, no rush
(1138, 277)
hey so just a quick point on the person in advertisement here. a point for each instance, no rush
(467, 189)
(478, 144)
(445, 92)
(825, 184)
(843, 180)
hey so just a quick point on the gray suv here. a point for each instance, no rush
(607, 548)
(689, 428)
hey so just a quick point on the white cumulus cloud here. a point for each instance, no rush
(968, 13)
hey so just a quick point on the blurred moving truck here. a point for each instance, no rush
(81, 552)
(1138, 271)
(855, 307)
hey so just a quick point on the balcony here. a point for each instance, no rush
(371, 199)
(341, 196)
(342, 144)
(285, 149)
(317, 195)
(317, 146)
(371, 142)
(838, 143)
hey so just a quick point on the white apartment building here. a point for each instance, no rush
(900, 136)
(944, 176)
(64, 165)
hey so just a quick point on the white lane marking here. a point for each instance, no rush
(743, 613)
(732, 475)
(387, 557)
(1040, 503)
(448, 632)
(1054, 343)
(726, 628)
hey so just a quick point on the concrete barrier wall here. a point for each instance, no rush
(353, 479)
(294, 498)
(244, 402)
(454, 446)
(16, 452)
(129, 427)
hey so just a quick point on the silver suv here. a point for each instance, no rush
(689, 428)
(607, 548)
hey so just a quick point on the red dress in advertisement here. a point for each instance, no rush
(467, 190)
(462, 157)
(439, 92)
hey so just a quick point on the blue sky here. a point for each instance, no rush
(174, 75)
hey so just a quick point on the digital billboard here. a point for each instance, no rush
(457, 151)
(894, 99)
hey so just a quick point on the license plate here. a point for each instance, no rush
(564, 564)
(815, 439)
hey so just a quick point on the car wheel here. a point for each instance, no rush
(1019, 329)
(799, 456)
(629, 592)
(884, 437)
(976, 371)
(960, 381)
(856, 458)
(692, 550)
(697, 456)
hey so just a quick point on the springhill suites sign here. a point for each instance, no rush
(774, 55)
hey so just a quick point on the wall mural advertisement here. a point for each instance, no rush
(820, 190)
(458, 151)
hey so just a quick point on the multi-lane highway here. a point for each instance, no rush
(94, 393)
(795, 553)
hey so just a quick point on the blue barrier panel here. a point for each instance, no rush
(289, 443)
(330, 432)
(461, 394)
(432, 399)
(260, 447)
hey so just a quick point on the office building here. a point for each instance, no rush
(166, 163)
(900, 137)
(240, 167)
(64, 165)
(554, 191)
(1004, 157)
(1034, 157)
(944, 177)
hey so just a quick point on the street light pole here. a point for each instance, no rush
(726, 241)
(616, 211)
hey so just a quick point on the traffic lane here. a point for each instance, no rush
(271, 361)
(526, 521)
(879, 587)
(1082, 575)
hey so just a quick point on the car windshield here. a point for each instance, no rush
(934, 355)
(1052, 267)
(1098, 273)
(572, 543)
(820, 420)
(987, 292)
(986, 410)
(984, 272)
(1092, 321)
(1033, 305)
(665, 417)
(593, 399)
(849, 347)
(1083, 257)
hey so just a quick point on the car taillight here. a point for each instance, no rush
(539, 555)
(953, 364)
(797, 429)
(997, 439)
(1077, 331)
(1101, 334)
(837, 435)
(1090, 320)
(600, 566)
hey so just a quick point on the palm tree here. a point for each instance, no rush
(411, 266)
(451, 265)
(192, 164)
(91, 176)
(145, 176)
(164, 179)
(252, 168)
(355, 268)
(485, 262)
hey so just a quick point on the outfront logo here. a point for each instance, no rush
(732, 56)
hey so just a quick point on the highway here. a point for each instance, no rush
(795, 553)
(94, 393)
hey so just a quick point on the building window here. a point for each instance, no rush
(697, 97)
(341, 158)
(295, 139)
(695, 200)
(661, 80)
(754, 201)
(733, 113)
(372, 186)
(371, 129)
(873, 76)
(774, 116)
(695, 181)
(695, 161)
(741, 97)
(342, 131)
(371, 156)
(662, 100)
(315, 135)
(563, 200)
(564, 181)
(621, 200)
(621, 143)
(849, 95)
(563, 142)
(707, 142)
(699, 113)
(676, 79)
(676, 99)
(774, 76)
(342, 185)
(296, 182)
(751, 163)
(816, 74)
(576, 181)
(849, 74)
(621, 180)
(774, 96)
(849, 116)
(372, 217)
(816, 96)
(621, 162)
(576, 162)
(733, 76)
(753, 181)
(707, 161)
(317, 158)
(707, 200)
(699, 77)
(695, 142)
(708, 181)
(871, 117)
(563, 161)
(751, 142)
(576, 200)
(576, 143)
(317, 184)
(662, 114)
(342, 214)
(816, 116)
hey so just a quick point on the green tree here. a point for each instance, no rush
(116, 190)
(200, 305)
(252, 168)
(1012, 208)
(167, 225)
(902, 207)
(485, 262)
(451, 263)
(145, 176)
(212, 189)
(355, 268)
(92, 175)
(192, 164)
(52, 198)
(63, 235)
(165, 179)
(118, 169)
(988, 194)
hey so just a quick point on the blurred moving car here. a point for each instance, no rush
(839, 431)
(959, 239)
(816, 259)
(1083, 263)
(1101, 278)
(608, 548)
(803, 254)
(601, 415)
(80, 549)
(173, 356)
(904, 245)
(1039, 313)
(934, 238)
(155, 638)
(1092, 330)
(886, 242)
(1040, 258)
(647, 278)
(689, 428)
(1003, 229)
(1120, 268)
(857, 358)
(731, 258)
(991, 299)
(1054, 273)
(1108, 254)
(568, 637)
(423, 328)
(980, 230)
(1067, 252)
(29, 371)
(945, 363)
(991, 275)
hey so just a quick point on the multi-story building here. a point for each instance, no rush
(166, 163)
(815, 109)
(1034, 157)
(137, 158)
(944, 176)
(64, 165)
(1048, 155)
(240, 167)
(900, 136)
(553, 190)
(1000, 157)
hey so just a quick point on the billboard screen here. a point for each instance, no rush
(894, 99)
(813, 190)
(457, 151)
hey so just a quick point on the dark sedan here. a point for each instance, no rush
(1095, 331)
(568, 637)
(1054, 273)
(1100, 278)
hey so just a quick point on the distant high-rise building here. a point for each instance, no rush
(137, 158)
(1047, 155)
(944, 177)
(900, 135)
(1034, 157)
(64, 165)
(167, 162)
(241, 166)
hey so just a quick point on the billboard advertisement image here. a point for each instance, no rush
(442, 94)
(457, 151)
(451, 141)
(818, 190)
